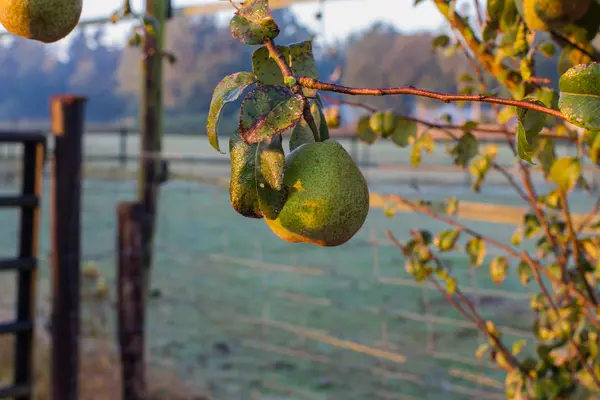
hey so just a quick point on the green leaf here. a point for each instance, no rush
(451, 285)
(580, 95)
(481, 350)
(546, 155)
(532, 225)
(451, 205)
(524, 146)
(302, 61)
(364, 131)
(547, 49)
(524, 272)
(265, 67)
(476, 250)
(440, 41)
(594, 147)
(256, 187)
(227, 91)
(424, 143)
(555, 270)
(466, 148)
(253, 24)
(518, 346)
(517, 237)
(446, 240)
(267, 111)
(404, 132)
(529, 126)
(498, 269)
(302, 134)
(565, 172)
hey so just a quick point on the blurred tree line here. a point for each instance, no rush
(206, 52)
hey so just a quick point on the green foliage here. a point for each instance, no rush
(466, 148)
(580, 95)
(267, 111)
(364, 131)
(424, 143)
(557, 263)
(476, 250)
(253, 23)
(565, 172)
(227, 91)
(530, 123)
(256, 187)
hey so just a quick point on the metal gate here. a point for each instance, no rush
(25, 264)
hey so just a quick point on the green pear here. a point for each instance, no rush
(389, 123)
(376, 122)
(545, 15)
(42, 20)
(328, 196)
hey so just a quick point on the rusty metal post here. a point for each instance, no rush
(67, 117)
(131, 298)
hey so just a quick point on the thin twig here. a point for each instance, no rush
(510, 251)
(511, 180)
(504, 131)
(287, 72)
(561, 39)
(541, 217)
(546, 293)
(479, 12)
(576, 249)
(473, 315)
(410, 90)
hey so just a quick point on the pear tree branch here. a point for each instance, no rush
(311, 83)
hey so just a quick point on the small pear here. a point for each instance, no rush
(376, 122)
(389, 123)
(46, 21)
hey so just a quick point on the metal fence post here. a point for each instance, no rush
(67, 118)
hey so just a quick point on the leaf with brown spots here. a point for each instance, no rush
(265, 67)
(268, 111)
(227, 91)
(256, 188)
(253, 24)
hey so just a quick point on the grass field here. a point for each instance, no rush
(240, 314)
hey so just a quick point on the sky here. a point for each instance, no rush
(341, 17)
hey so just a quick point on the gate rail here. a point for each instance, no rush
(25, 264)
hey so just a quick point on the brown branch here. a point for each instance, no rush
(576, 249)
(505, 75)
(479, 12)
(287, 73)
(541, 217)
(563, 40)
(410, 90)
(510, 251)
(504, 131)
(511, 180)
